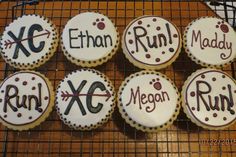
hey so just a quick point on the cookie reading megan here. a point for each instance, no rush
(209, 99)
(26, 100)
(148, 101)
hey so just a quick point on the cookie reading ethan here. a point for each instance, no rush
(89, 39)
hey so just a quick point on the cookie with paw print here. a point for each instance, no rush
(89, 39)
(210, 42)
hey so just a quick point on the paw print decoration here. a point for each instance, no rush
(99, 23)
(223, 27)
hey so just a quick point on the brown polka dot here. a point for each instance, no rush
(30, 117)
(206, 119)
(234, 91)
(5, 116)
(202, 76)
(33, 88)
(131, 41)
(148, 25)
(175, 35)
(158, 28)
(163, 52)
(97, 20)
(33, 78)
(129, 33)
(193, 108)
(2, 91)
(223, 76)
(25, 83)
(192, 94)
(19, 115)
(0, 100)
(223, 88)
(224, 118)
(102, 19)
(171, 50)
(147, 56)
(154, 19)
(157, 59)
(217, 26)
(213, 79)
(40, 110)
(153, 80)
(17, 79)
(139, 22)
(45, 98)
(132, 52)
(219, 23)
(214, 114)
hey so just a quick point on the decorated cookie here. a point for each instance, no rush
(151, 42)
(26, 100)
(210, 42)
(209, 99)
(29, 41)
(148, 101)
(89, 39)
(85, 99)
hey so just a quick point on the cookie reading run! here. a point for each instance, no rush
(89, 39)
(26, 100)
(209, 99)
(151, 42)
(148, 101)
(29, 41)
(210, 41)
(85, 99)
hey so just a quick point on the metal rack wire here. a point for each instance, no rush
(116, 138)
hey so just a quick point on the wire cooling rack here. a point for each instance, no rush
(116, 138)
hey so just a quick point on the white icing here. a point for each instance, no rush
(75, 115)
(209, 27)
(12, 117)
(153, 55)
(89, 22)
(162, 112)
(27, 21)
(218, 87)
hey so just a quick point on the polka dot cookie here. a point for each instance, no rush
(210, 42)
(85, 99)
(26, 100)
(151, 42)
(209, 99)
(29, 41)
(148, 101)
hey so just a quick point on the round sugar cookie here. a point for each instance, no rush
(151, 42)
(29, 41)
(26, 100)
(85, 99)
(89, 39)
(148, 101)
(210, 42)
(209, 99)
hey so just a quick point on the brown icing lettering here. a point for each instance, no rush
(12, 99)
(218, 103)
(150, 99)
(84, 39)
(145, 41)
(205, 42)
